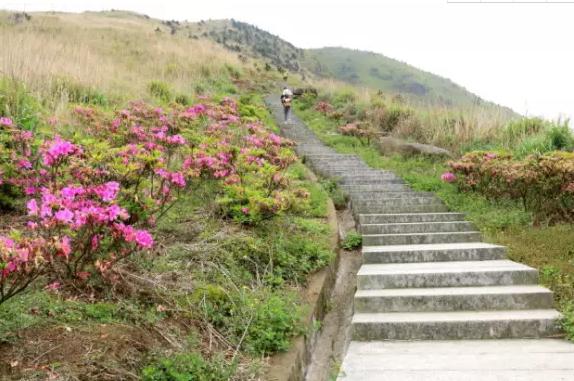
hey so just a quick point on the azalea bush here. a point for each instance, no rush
(543, 183)
(90, 199)
(361, 131)
(74, 228)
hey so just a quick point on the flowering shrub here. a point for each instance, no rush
(357, 130)
(85, 200)
(75, 228)
(324, 107)
(543, 183)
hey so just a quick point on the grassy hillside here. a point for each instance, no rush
(388, 75)
(108, 57)
(190, 228)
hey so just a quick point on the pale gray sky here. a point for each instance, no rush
(518, 54)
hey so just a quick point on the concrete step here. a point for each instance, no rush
(400, 201)
(375, 187)
(445, 274)
(455, 360)
(420, 238)
(417, 227)
(373, 196)
(440, 252)
(357, 172)
(407, 218)
(456, 325)
(453, 299)
(371, 181)
(397, 209)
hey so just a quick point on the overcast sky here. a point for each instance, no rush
(519, 54)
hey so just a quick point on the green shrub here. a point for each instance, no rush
(182, 99)
(77, 92)
(343, 97)
(265, 322)
(516, 130)
(337, 195)
(234, 72)
(568, 319)
(275, 321)
(352, 241)
(543, 184)
(17, 103)
(560, 137)
(188, 367)
(160, 90)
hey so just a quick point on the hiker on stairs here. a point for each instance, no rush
(286, 98)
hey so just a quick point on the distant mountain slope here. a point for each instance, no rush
(352, 66)
(248, 39)
(389, 75)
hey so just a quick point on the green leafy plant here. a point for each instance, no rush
(188, 367)
(352, 241)
(160, 90)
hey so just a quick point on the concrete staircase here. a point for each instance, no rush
(426, 273)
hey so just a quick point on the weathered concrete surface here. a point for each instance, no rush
(464, 360)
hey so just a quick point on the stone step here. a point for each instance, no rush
(406, 209)
(406, 218)
(376, 195)
(375, 187)
(417, 227)
(398, 201)
(453, 299)
(357, 172)
(456, 325)
(371, 181)
(440, 252)
(445, 274)
(420, 238)
(455, 360)
(322, 153)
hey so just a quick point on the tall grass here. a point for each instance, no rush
(59, 55)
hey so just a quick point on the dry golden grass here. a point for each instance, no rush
(116, 53)
(449, 127)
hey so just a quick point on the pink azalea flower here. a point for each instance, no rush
(24, 164)
(66, 246)
(54, 286)
(144, 239)
(7, 122)
(108, 191)
(448, 177)
(58, 149)
(32, 207)
(490, 155)
(64, 215)
(178, 179)
(275, 139)
(245, 210)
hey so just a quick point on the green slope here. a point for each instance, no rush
(388, 75)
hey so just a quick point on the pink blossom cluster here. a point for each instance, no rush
(6, 122)
(58, 149)
(448, 177)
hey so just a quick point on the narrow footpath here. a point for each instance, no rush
(430, 292)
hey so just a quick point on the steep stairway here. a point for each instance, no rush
(427, 275)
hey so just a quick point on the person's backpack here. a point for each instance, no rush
(286, 101)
